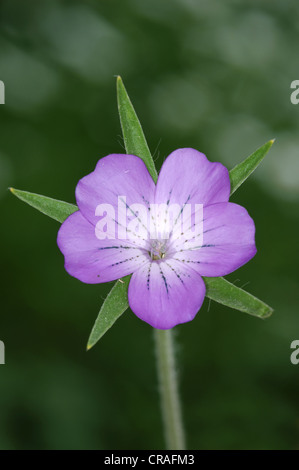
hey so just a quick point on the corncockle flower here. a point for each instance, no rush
(166, 261)
(171, 236)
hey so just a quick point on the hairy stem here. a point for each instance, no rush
(170, 403)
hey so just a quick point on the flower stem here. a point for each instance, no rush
(170, 403)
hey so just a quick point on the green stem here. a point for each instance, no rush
(170, 403)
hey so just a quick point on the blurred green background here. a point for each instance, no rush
(211, 75)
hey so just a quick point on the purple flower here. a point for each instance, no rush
(109, 238)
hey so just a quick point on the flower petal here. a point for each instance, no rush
(166, 293)
(118, 181)
(228, 241)
(92, 260)
(188, 176)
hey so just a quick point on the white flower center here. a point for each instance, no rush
(158, 249)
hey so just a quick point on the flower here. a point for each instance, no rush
(124, 226)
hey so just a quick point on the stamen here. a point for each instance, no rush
(158, 249)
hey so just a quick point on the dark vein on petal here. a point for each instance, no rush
(171, 232)
(125, 260)
(169, 196)
(134, 213)
(148, 276)
(146, 202)
(177, 275)
(214, 228)
(188, 261)
(164, 279)
(119, 247)
(128, 230)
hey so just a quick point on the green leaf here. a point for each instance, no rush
(58, 210)
(223, 292)
(115, 304)
(134, 138)
(243, 170)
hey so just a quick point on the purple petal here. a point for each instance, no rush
(228, 241)
(92, 260)
(166, 293)
(187, 176)
(115, 175)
